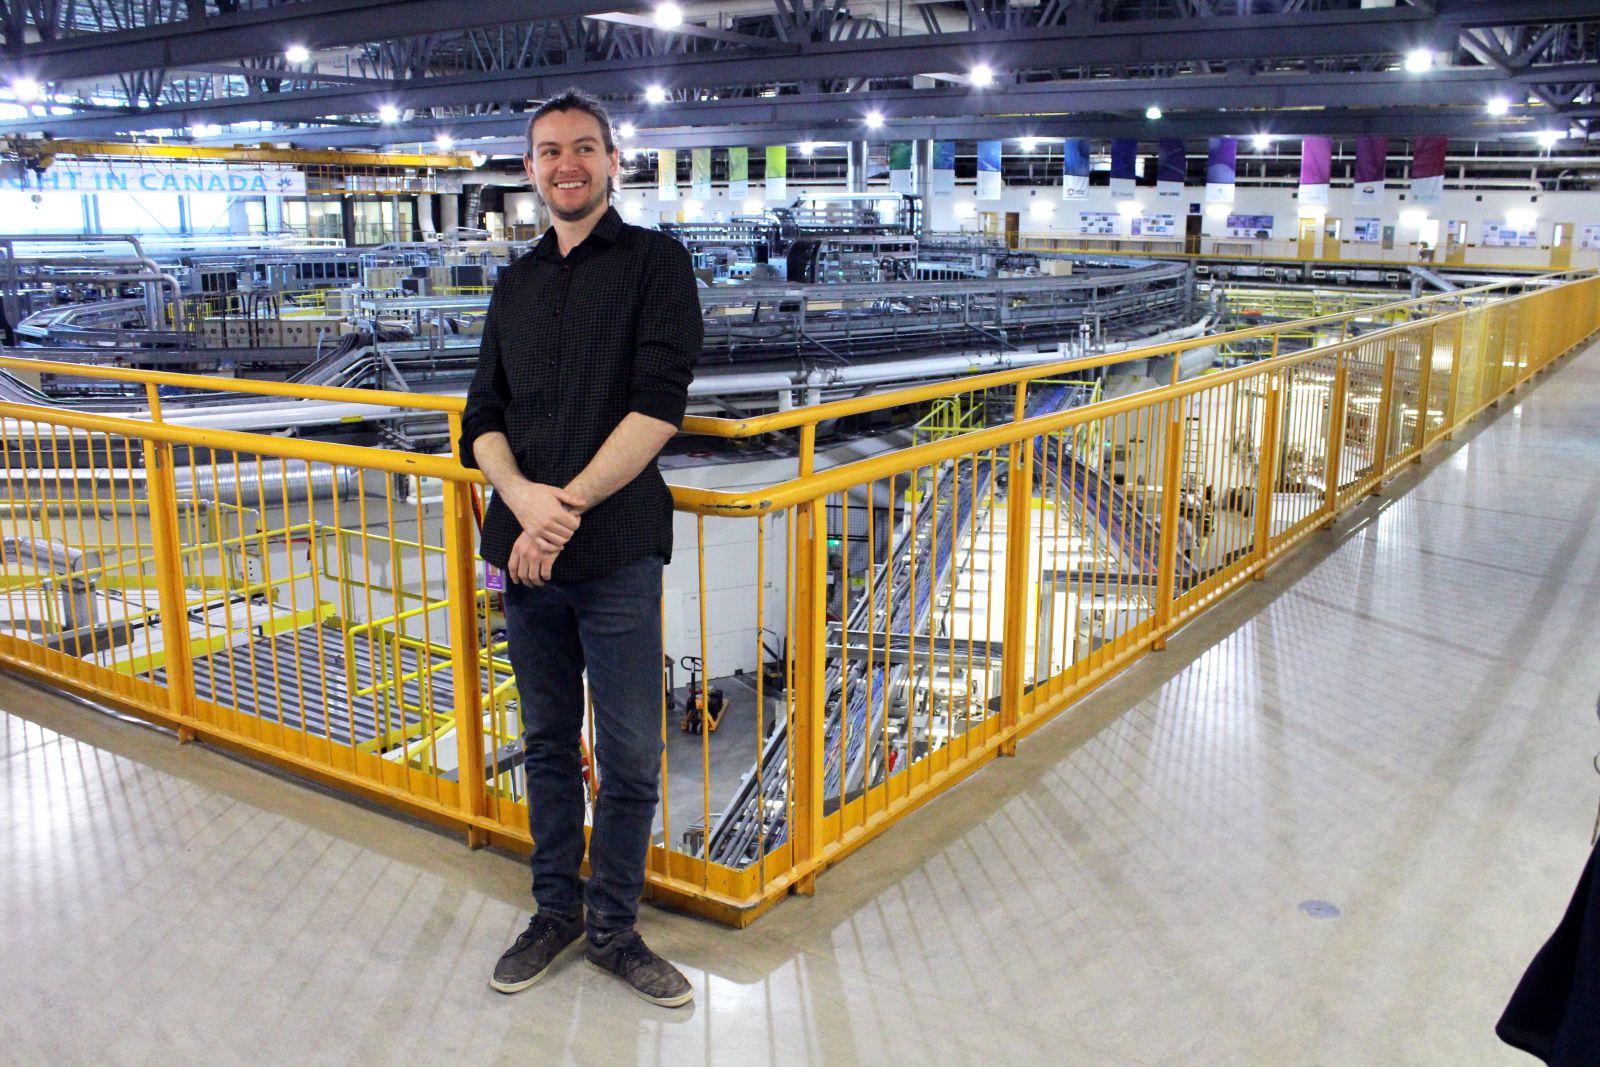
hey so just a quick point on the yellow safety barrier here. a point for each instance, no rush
(901, 619)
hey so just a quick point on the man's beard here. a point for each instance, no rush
(583, 212)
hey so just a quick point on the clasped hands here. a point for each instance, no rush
(549, 517)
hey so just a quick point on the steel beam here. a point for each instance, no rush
(1208, 92)
(317, 23)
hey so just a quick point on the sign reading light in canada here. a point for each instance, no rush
(84, 177)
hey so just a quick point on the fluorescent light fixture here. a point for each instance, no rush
(1498, 105)
(692, 209)
(874, 119)
(668, 15)
(444, 142)
(807, 147)
(1413, 218)
(1548, 138)
(1030, 143)
(1152, 112)
(1522, 218)
(752, 206)
(1419, 61)
(1041, 209)
(1129, 207)
(655, 95)
(388, 114)
(1219, 211)
(633, 209)
(207, 130)
(626, 131)
(26, 90)
(1261, 142)
(965, 209)
(981, 76)
(297, 53)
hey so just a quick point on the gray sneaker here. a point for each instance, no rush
(653, 978)
(534, 950)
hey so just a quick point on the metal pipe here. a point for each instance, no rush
(233, 486)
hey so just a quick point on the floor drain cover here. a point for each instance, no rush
(1320, 909)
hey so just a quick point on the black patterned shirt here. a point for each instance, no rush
(571, 345)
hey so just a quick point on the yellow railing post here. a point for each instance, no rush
(1380, 446)
(1452, 396)
(166, 543)
(1019, 550)
(461, 593)
(1267, 475)
(1335, 444)
(1171, 489)
(1424, 390)
(808, 756)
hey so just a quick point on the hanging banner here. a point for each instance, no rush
(156, 177)
(699, 174)
(1171, 168)
(666, 174)
(1075, 169)
(738, 174)
(1222, 154)
(901, 179)
(943, 178)
(777, 172)
(1316, 169)
(989, 182)
(1124, 167)
(1372, 156)
(1427, 169)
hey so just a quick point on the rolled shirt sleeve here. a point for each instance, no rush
(489, 394)
(669, 335)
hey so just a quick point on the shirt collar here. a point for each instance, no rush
(607, 229)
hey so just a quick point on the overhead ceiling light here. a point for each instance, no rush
(981, 76)
(1548, 138)
(626, 131)
(297, 53)
(807, 147)
(655, 95)
(1152, 112)
(388, 114)
(1261, 142)
(444, 142)
(1498, 105)
(1419, 61)
(874, 119)
(26, 90)
(668, 15)
(207, 130)
(1030, 143)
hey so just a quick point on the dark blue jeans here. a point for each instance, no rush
(610, 626)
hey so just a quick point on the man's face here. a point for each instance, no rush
(570, 165)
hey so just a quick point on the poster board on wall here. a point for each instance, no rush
(1100, 223)
(1589, 236)
(1366, 231)
(1256, 226)
(1158, 225)
(1503, 235)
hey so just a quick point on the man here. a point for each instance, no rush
(583, 376)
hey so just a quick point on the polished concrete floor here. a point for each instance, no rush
(1329, 826)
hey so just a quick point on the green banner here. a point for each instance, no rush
(700, 173)
(777, 172)
(738, 164)
(666, 174)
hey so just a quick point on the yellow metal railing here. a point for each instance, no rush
(321, 605)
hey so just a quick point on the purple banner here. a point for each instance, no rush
(1316, 160)
(1172, 166)
(1222, 154)
(1427, 157)
(1372, 156)
(1124, 158)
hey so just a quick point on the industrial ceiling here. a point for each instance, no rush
(346, 73)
